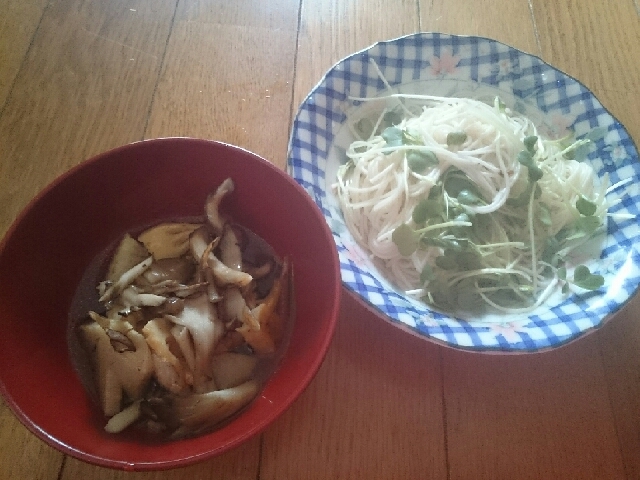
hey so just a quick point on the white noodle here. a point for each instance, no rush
(378, 192)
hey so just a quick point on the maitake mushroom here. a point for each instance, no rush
(189, 310)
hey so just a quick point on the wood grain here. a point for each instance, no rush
(619, 343)
(228, 75)
(534, 416)
(238, 464)
(22, 454)
(603, 40)
(85, 86)
(506, 408)
(18, 24)
(81, 76)
(376, 378)
(330, 30)
(597, 43)
(509, 22)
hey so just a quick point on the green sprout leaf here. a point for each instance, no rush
(446, 262)
(562, 273)
(392, 117)
(364, 127)
(525, 157)
(587, 225)
(530, 143)
(544, 214)
(596, 134)
(427, 274)
(469, 260)
(583, 278)
(456, 138)
(419, 160)
(426, 209)
(411, 138)
(405, 239)
(467, 197)
(585, 207)
(456, 183)
(393, 136)
(535, 173)
(435, 191)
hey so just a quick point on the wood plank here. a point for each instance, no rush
(374, 373)
(594, 42)
(85, 86)
(331, 30)
(376, 378)
(240, 60)
(619, 341)
(18, 24)
(240, 463)
(610, 33)
(23, 455)
(509, 22)
(515, 417)
(209, 40)
(532, 416)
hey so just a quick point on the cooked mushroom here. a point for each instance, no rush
(202, 411)
(200, 318)
(212, 206)
(118, 373)
(128, 254)
(231, 369)
(168, 240)
(126, 279)
(170, 371)
(192, 309)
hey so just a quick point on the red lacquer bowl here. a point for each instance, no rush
(51, 243)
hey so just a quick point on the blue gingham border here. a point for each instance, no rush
(472, 60)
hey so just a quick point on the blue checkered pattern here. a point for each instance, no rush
(442, 64)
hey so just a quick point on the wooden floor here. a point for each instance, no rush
(78, 77)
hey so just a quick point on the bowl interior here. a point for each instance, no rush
(50, 245)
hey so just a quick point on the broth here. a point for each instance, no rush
(194, 354)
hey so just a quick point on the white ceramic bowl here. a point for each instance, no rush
(465, 66)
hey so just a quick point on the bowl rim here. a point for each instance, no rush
(374, 309)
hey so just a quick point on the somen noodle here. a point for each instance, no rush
(465, 205)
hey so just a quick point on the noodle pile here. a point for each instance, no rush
(465, 201)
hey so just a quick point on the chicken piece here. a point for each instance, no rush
(118, 373)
